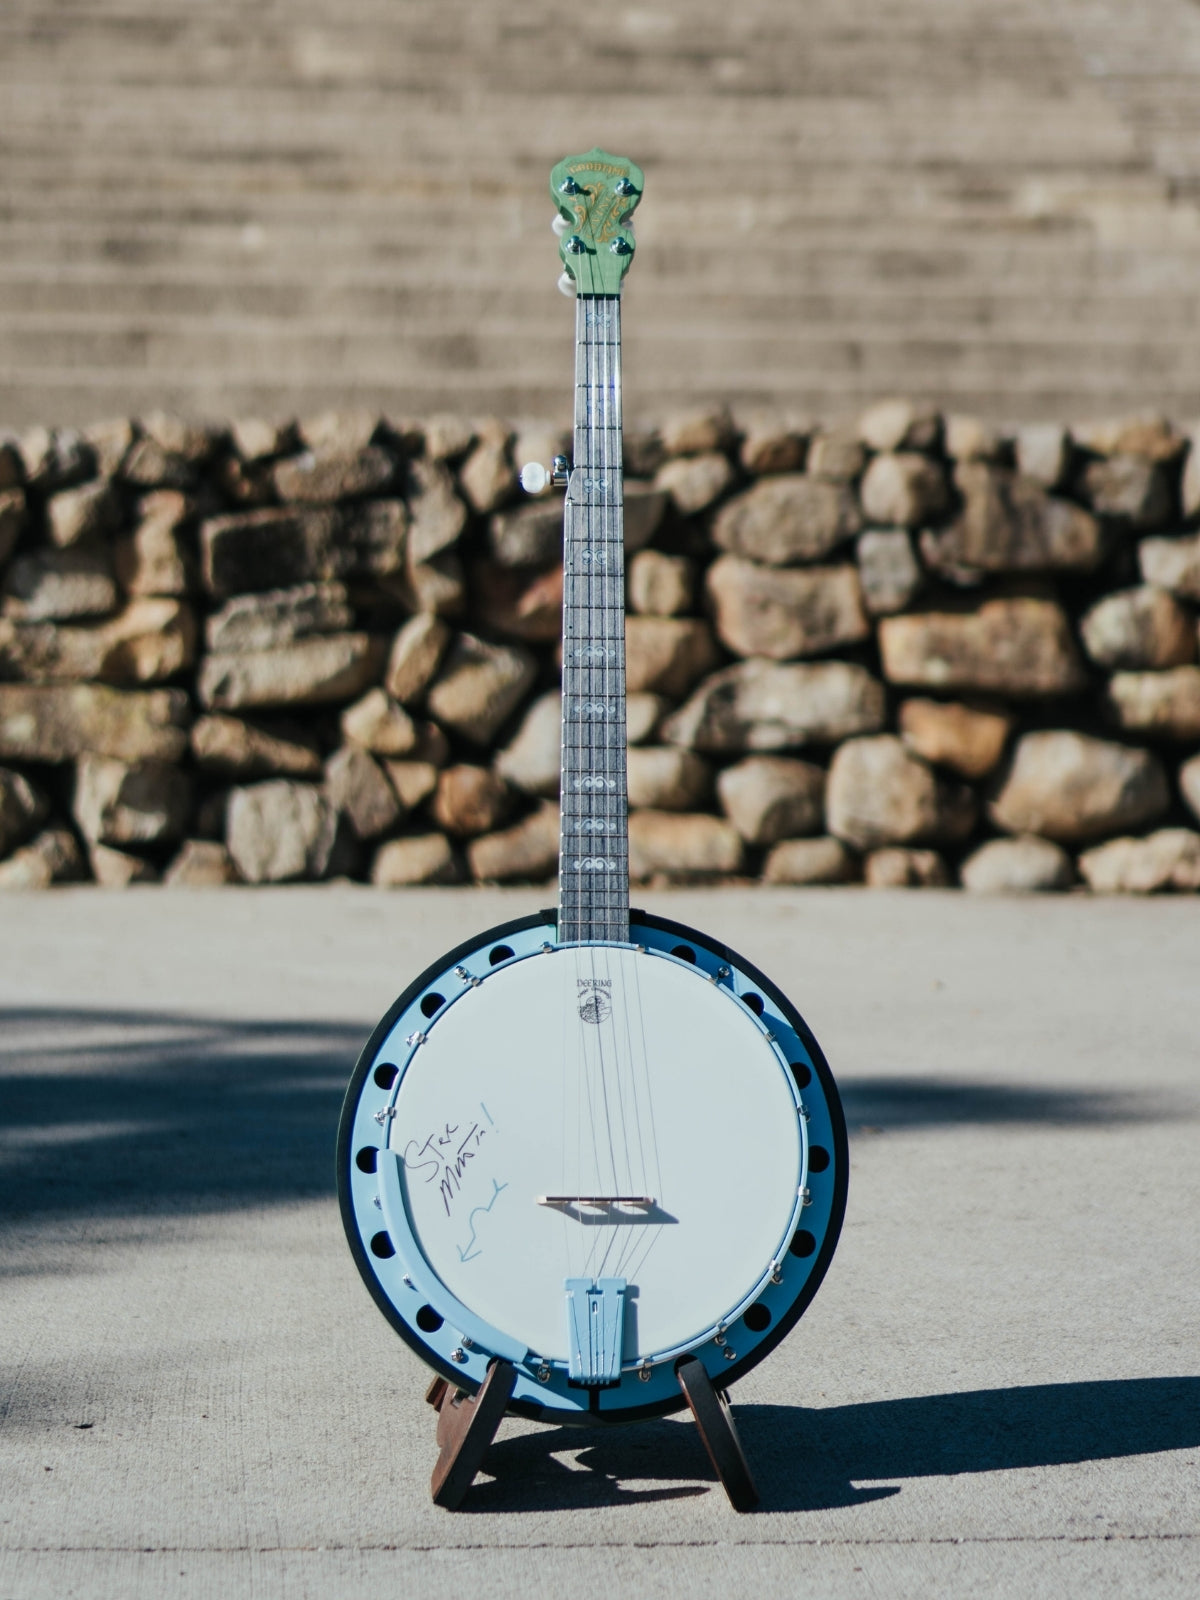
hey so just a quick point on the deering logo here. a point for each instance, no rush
(594, 1004)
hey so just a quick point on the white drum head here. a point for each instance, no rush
(640, 1099)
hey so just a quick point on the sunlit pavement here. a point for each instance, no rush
(995, 1393)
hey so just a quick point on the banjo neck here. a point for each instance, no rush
(593, 879)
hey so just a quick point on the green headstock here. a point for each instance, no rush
(595, 195)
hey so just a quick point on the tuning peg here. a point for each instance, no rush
(560, 224)
(566, 285)
(534, 476)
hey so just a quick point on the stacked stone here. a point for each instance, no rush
(907, 650)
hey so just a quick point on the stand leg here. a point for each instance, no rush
(465, 1428)
(715, 1422)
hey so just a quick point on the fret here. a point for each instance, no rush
(594, 841)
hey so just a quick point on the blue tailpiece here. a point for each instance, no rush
(595, 1323)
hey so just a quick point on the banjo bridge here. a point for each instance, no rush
(601, 1200)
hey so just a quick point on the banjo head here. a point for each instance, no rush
(531, 1116)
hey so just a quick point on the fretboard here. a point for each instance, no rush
(593, 892)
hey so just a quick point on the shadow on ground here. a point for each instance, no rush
(811, 1460)
(124, 1113)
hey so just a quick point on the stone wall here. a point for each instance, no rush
(906, 649)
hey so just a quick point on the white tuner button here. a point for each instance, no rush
(566, 285)
(534, 477)
(560, 224)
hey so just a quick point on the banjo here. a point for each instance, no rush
(592, 1164)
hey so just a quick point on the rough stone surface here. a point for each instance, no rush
(118, 869)
(968, 438)
(771, 444)
(437, 585)
(889, 573)
(1019, 647)
(201, 864)
(696, 432)
(695, 482)
(765, 705)
(151, 640)
(1131, 488)
(53, 857)
(527, 851)
(800, 861)
(60, 722)
(256, 439)
(897, 423)
(375, 536)
(1043, 453)
(413, 781)
(147, 465)
(470, 800)
(1010, 524)
(667, 844)
(157, 558)
(645, 507)
(12, 468)
(665, 655)
(119, 803)
(279, 617)
(1072, 788)
(1172, 564)
(1168, 859)
(487, 475)
(896, 868)
(1024, 865)
(51, 585)
(768, 798)
(415, 656)
(836, 454)
(532, 761)
(54, 459)
(479, 686)
(416, 859)
(379, 724)
(280, 831)
(358, 790)
(1189, 491)
(517, 603)
(1189, 785)
(529, 536)
(12, 521)
(763, 611)
(660, 585)
(643, 713)
(271, 548)
(788, 519)
(314, 671)
(320, 478)
(23, 807)
(880, 793)
(337, 432)
(903, 490)
(1152, 437)
(1139, 629)
(667, 778)
(1162, 704)
(968, 739)
(437, 514)
(76, 516)
(243, 750)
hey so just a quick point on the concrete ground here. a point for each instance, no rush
(995, 1393)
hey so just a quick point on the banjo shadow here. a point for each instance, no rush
(818, 1459)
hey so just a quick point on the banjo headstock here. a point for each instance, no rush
(596, 195)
